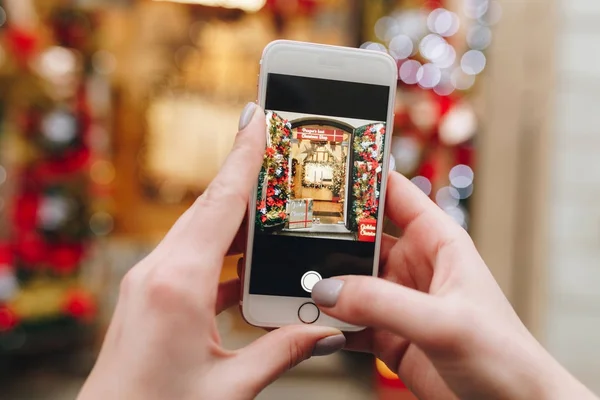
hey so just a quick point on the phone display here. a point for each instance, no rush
(318, 195)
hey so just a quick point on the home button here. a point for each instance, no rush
(308, 313)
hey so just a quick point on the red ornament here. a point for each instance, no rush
(31, 249)
(6, 254)
(427, 170)
(65, 259)
(25, 212)
(80, 305)
(22, 44)
(8, 319)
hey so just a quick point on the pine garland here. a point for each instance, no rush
(273, 186)
(368, 156)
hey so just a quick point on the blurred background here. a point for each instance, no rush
(116, 114)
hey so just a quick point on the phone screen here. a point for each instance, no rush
(319, 188)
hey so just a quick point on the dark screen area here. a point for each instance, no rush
(279, 262)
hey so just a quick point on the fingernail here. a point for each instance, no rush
(326, 292)
(247, 115)
(329, 345)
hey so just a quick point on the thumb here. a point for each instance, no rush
(374, 302)
(278, 351)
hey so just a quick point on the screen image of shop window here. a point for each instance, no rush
(321, 177)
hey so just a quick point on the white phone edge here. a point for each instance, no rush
(325, 62)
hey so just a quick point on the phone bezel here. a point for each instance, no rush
(324, 62)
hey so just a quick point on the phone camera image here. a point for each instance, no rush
(318, 195)
(321, 177)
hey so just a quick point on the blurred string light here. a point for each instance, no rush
(447, 197)
(246, 5)
(441, 68)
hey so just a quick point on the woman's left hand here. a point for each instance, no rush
(163, 341)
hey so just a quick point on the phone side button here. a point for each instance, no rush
(309, 313)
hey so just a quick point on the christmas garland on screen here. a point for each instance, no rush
(368, 155)
(316, 185)
(273, 186)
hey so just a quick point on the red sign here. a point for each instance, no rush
(367, 230)
(321, 135)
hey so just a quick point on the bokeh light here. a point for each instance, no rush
(54, 212)
(59, 127)
(409, 70)
(423, 183)
(459, 125)
(443, 22)
(461, 80)
(401, 47)
(429, 76)
(406, 153)
(447, 197)
(479, 37)
(475, 9)
(58, 62)
(461, 176)
(101, 224)
(458, 214)
(473, 62)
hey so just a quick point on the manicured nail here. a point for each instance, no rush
(329, 345)
(326, 292)
(247, 115)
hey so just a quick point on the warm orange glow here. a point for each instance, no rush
(385, 371)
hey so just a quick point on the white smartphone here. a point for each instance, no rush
(317, 210)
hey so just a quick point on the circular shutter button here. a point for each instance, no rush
(308, 313)
(309, 280)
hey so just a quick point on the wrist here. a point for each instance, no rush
(554, 382)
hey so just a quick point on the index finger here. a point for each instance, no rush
(219, 212)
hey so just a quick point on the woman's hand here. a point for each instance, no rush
(163, 341)
(438, 317)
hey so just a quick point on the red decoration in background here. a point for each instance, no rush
(6, 254)
(8, 319)
(21, 43)
(30, 249)
(80, 305)
(65, 258)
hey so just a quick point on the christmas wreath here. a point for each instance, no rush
(368, 156)
(273, 185)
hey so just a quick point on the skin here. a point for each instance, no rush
(436, 315)
(439, 318)
(163, 341)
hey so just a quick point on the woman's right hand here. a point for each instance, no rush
(438, 317)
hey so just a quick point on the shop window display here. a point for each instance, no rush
(321, 177)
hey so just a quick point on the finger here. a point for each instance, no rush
(238, 245)
(406, 203)
(374, 302)
(387, 244)
(219, 212)
(228, 295)
(286, 347)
